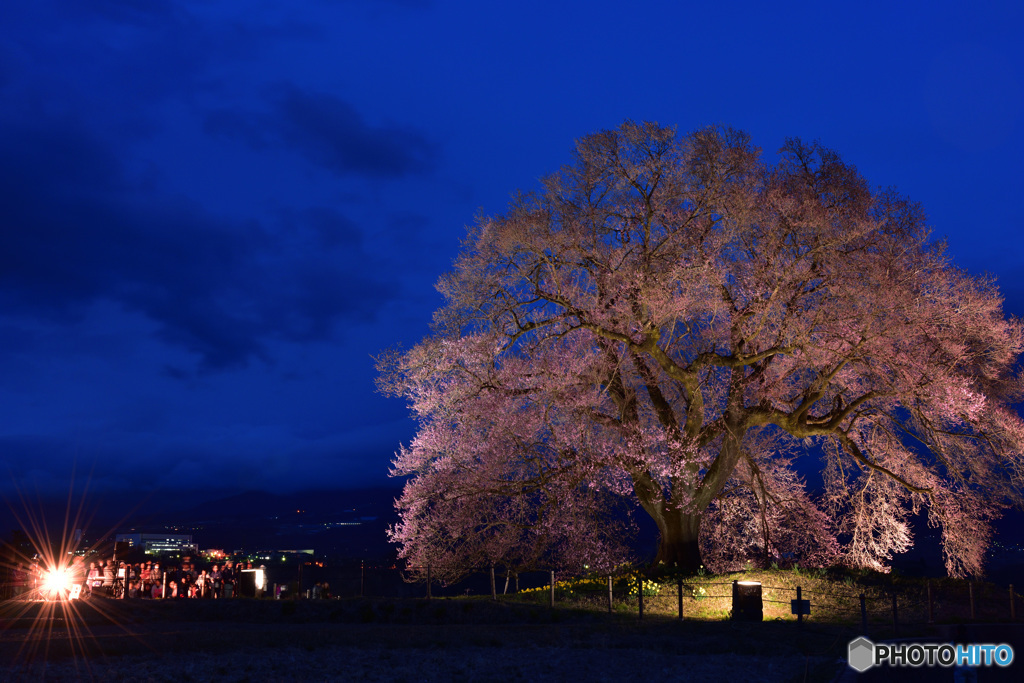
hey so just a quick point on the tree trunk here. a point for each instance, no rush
(679, 545)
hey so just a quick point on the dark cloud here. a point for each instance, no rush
(329, 132)
(419, 4)
(330, 228)
(83, 220)
(143, 12)
(77, 230)
(245, 126)
(95, 54)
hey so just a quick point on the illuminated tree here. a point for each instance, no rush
(496, 492)
(673, 319)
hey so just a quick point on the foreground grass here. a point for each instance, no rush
(475, 638)
(449, 639)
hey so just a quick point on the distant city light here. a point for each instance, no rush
(261, 579)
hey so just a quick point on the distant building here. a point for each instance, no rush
(159, 543)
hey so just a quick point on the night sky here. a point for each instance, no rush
(215, 213)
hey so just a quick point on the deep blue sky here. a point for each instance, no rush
(213, 213)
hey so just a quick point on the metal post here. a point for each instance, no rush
(679, 585)
(970, 592)
(640, 593)
(163, 590)
(428, 582)
(799, 607)
(863, 615)
(931, 603)
(1013, 608)
(609, 595)
(552, 588)
(494, 591)
(895, 620)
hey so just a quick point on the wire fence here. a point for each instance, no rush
(872, 607)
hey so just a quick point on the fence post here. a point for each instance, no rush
(970, 592)
(863, 615)
(799, 607)
(609, 594)
(428, 582)
(1013, 608)
(680, 586)
(552, 588)
(931, 604)
(895, 620)
(494, 591)
(640, 593)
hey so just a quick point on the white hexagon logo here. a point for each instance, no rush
(861, 654)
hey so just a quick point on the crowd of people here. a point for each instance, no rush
(148, 580)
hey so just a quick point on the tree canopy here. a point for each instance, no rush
(673, 320)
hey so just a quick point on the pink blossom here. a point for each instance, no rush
(668, 319)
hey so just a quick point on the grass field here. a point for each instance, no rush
(466, 639)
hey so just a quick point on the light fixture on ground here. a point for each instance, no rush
(746, 601)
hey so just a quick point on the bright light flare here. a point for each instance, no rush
(53, 602)
(57, 582)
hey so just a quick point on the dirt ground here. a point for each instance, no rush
(381, 640)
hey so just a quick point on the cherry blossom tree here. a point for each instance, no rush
(673, 319)
(496, 492)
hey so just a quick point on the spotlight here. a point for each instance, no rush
(56, 582)
(746, 601)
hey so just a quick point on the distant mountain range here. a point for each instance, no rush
(352, 524)
(344, 523)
